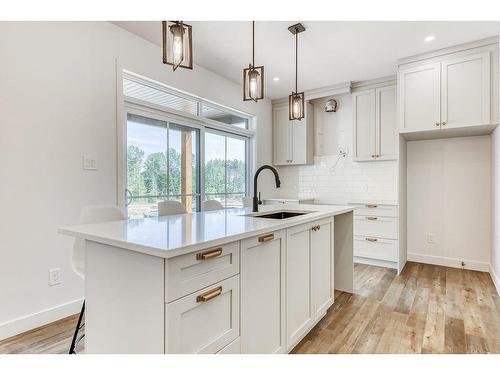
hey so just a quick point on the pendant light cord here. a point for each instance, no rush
(253, 44)
(296, 56)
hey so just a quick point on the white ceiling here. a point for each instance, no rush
(330, 52)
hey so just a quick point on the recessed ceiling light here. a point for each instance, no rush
(276, 79)
(430, 38)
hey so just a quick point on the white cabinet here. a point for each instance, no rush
(309, 281)
(299, 307)
(451, 93)
(292, 140)
(465, 91)
(374, 124)
(419, 97)
(322, 267)
(376, 234)
(205, 321)
(263, 294)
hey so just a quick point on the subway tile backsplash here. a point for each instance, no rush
(334, 179)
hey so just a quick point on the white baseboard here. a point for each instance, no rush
(495, 278)
(38, 319)
(449, 262)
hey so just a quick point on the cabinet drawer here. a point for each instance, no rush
(205, 321)
(374, 209)
(191, 272)
(233, 348)
(376, 248)
(376, 226)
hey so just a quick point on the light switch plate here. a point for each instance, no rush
(89, 163)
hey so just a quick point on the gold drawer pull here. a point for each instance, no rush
(267, 237)
(209, 295)
(371, 206)
(371, 239)
(371, 218)
(209, 254)
(316, 227)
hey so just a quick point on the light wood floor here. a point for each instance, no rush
(427, 309)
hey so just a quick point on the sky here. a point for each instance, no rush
(153, 139)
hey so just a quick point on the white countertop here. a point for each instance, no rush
(174, 235)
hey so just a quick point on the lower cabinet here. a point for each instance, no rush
(263, 293)
(205, 321)
(299, 309)
(309, 277)
(322, 267)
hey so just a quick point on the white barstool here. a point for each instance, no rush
(89, 214)
(166, 208)
(247, 201)
(212, 205)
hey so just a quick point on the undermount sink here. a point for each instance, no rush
(278, 215)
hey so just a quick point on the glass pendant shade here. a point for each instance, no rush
(177, 44)
(253, 76)
(296, 106)
(253, 83)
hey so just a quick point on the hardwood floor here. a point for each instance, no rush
(427, 309)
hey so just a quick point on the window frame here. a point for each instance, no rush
(149, 110)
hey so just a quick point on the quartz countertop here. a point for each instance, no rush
(174, 235)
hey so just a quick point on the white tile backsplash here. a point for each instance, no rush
(334, 179)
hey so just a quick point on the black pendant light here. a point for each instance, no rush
(253, 76)
(296, 99)
(177, 44)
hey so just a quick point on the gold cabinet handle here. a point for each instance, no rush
(316, 227)
(437, 124)
(209, 295)
(443, 123)
(267, 237)
(371, 206)
(209, 254)
(371, 218)
(371, 239)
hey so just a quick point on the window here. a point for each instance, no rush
(162, 164)
(181, 147)
(225, 168)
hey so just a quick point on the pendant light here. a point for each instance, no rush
(253, 76)
(177, 44)
(296, 99)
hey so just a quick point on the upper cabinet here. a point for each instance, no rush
(292, 140)
(375, 128)
(465, 91)
(450, 92)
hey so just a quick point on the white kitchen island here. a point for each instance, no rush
(213, 282)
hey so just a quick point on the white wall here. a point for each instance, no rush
(495, 206)
(334, 179)
(57, 102)
(449, 197)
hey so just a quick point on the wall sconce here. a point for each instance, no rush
(253, 76)
(296, 99)
(177, 44)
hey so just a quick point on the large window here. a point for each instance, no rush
(162, 164)
(225, 168)
(182, 147)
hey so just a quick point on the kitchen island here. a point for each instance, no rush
(214, 282)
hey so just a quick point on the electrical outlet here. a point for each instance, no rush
(54, 276)
(431, 237)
